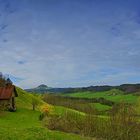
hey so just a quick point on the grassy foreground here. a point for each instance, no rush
(24, 124)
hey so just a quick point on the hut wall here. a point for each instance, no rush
(5, 104)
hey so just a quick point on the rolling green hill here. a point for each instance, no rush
(114, 95)
(24, 124)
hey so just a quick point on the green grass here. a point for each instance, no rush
(23, 118)
(112, 95)
(100, 107)
(36, 133)
(24, 124)
(24, 99)
(60, 110)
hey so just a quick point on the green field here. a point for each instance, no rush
(112, 95)
(60, 110)
(24, 124)
(100, 107)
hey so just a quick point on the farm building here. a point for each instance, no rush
(7, 97)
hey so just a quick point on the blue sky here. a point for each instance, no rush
(70, 43)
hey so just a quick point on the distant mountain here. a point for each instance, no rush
(126, 88)
(43, 86)
(45, 89)
(40, 89)
(130, 88)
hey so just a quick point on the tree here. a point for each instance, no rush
(1, 75)
(2, 80)
(35, 102)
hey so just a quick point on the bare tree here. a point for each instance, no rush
(35, 102)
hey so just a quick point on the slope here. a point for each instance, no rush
(24, 123)
(114, 95)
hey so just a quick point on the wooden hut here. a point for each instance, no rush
(7, 97)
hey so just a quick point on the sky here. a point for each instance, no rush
(70, 43)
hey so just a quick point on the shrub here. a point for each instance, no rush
(70, 122)
(121, 124)
(46, 109)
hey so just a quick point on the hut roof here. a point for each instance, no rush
(6, 92)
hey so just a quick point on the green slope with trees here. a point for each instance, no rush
(24, 124)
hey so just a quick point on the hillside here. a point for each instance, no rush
(114, 95)
(24, 123)
(81, 115)
(125, 88)
(97, 119)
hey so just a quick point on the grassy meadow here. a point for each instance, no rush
(73, 116)
(24, 124)
(108, 115)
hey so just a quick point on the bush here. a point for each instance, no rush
(70, 122)
(46, 109)
(120, 125)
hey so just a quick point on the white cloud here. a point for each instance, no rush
(63, 49)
